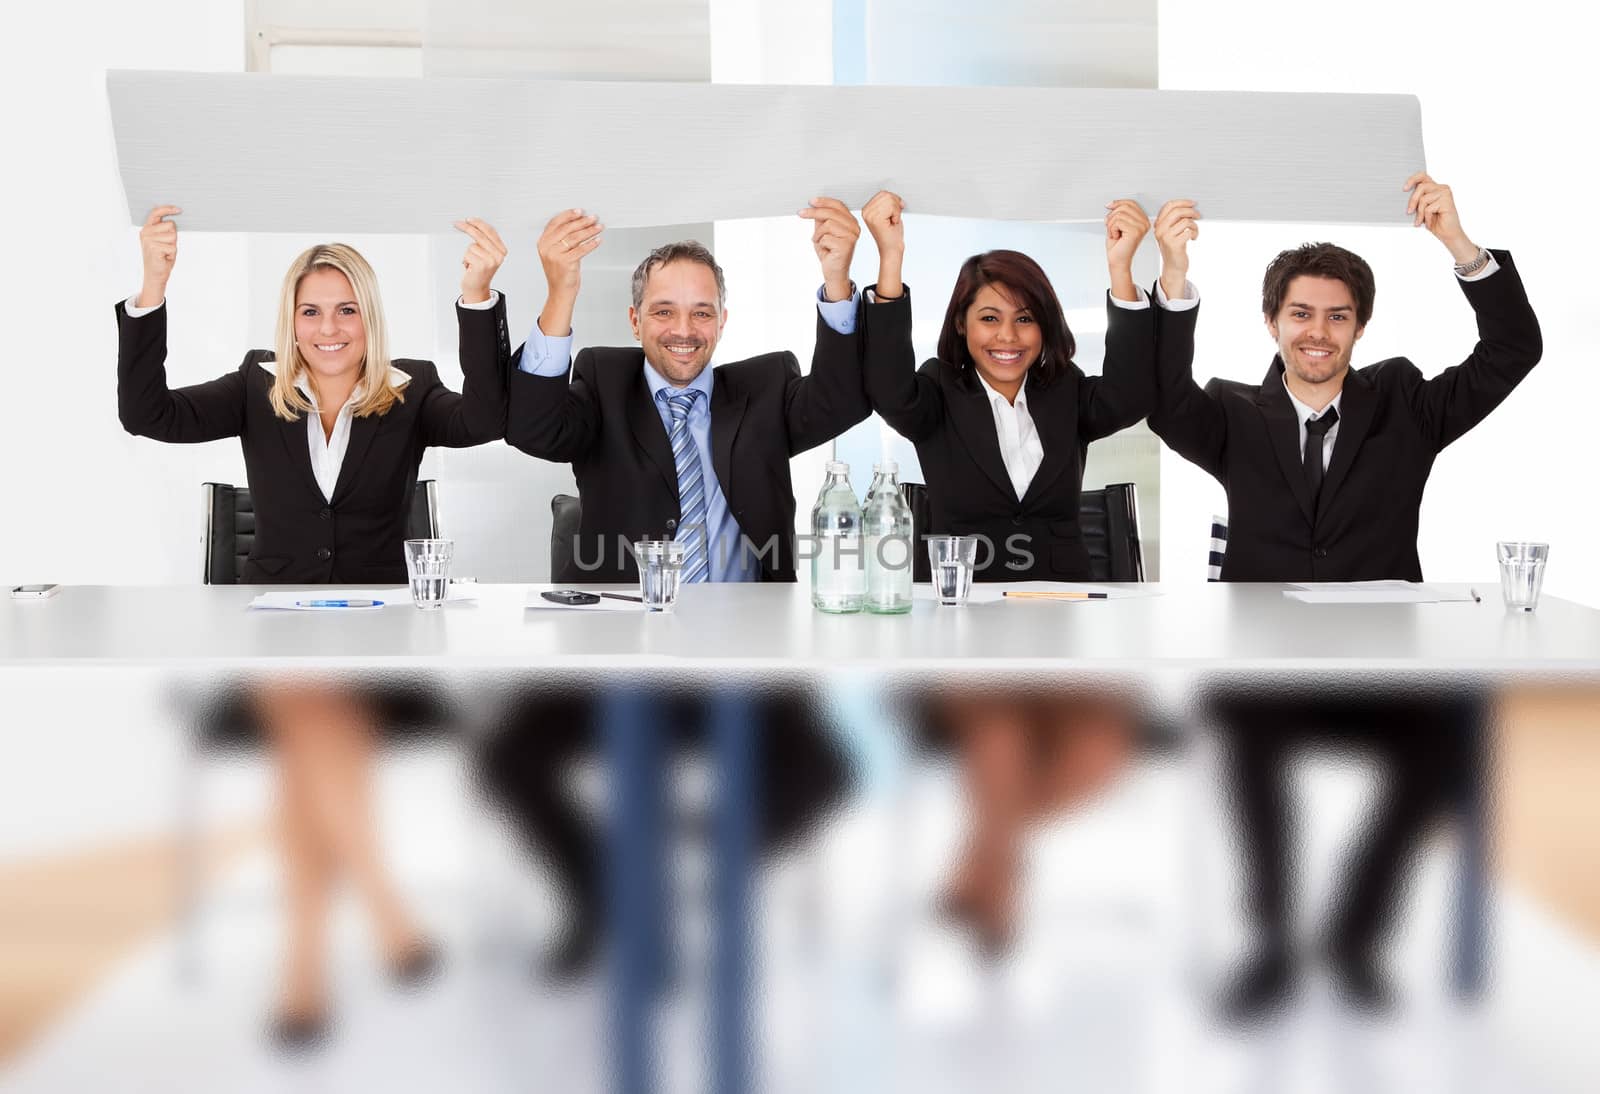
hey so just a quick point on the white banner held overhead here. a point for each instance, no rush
(259, 153)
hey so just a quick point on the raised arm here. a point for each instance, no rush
(1509, 341)
(1125, 390)
(478, 414)
(907, 399)
(1185, 417)
(831, 398)
(549, 417)
(145, 405)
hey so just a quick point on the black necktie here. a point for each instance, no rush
(1316, 430)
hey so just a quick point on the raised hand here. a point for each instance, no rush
(158, 247)
(1126, 226)
(833, 235)
(569, 237)
(883, 217)
(1433, 206)
(484, 255)
(1177, 223)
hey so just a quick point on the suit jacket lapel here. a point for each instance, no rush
(645, 421)
(1049, 407)
(362, 430)
(297, 439)
(968, 407)
(727, 412)
(1357, 404)
(1283, 430)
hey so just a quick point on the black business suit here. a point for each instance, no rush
(302, 537)
(943, 409)
(1392, 423)
(1362, 526)
(604, 422)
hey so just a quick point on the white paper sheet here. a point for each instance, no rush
(416, 154)
(1373, 592)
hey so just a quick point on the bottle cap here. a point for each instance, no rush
(888, 467)
(838, 467)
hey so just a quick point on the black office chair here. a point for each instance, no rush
(1108, 518)
(566, 512)
(230, 529)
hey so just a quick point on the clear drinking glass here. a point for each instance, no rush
(1521, 573)
(660, 571)
(428, 564)
(952, 559)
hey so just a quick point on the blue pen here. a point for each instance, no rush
(338, 603)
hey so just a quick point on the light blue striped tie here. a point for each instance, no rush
(691, 487)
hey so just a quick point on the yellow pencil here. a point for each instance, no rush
(1045, 594)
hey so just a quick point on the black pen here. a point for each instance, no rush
(624, 596)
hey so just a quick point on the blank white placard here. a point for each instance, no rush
(349, 154)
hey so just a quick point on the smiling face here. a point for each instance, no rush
(328, 327)
(1003, 339)
(1316, 332)
(679, 320)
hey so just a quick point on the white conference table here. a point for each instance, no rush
(1192, 632)
(1197, 628)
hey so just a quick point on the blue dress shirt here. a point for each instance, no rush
(546, 355)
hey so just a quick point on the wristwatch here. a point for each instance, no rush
(1467, 269)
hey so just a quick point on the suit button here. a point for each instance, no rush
(324, 553)
(672, 526)
(326, 514)
(1016, 522)
(1321, 552)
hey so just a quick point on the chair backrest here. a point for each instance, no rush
(566, 512)
(230, 530)
(1108, 519)
(1219, 548)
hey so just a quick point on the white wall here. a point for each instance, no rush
(81, 500)
(1508, 106)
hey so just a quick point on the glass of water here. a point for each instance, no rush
(1521, 573)
(428, 564)
(660, 570)
(952, 558)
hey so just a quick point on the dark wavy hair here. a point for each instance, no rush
(1319, 260)
(1026, 284)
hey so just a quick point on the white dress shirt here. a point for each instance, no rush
(328, 449)
(1020, 446)
(1306, 414)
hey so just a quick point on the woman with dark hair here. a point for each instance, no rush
(1002, 420)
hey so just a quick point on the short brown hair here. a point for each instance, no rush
(687, 250)
(1319, 260)
(1025, 283)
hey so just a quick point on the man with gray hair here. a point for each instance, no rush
(664, 446)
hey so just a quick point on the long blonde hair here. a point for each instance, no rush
(379, 395)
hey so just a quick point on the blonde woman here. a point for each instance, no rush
(333, 430)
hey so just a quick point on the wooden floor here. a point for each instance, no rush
(67, 920)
